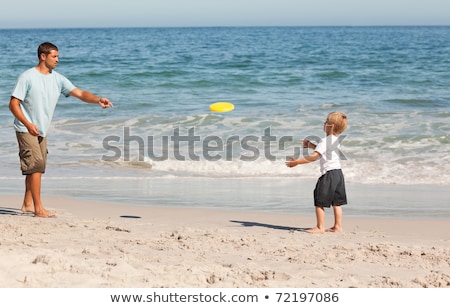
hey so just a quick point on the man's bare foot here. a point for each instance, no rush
(315, 230)
(27, 208)
(44, 214)
(334, 229)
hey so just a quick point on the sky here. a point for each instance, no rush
(199, 13)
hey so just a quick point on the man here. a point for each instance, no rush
(32, 103)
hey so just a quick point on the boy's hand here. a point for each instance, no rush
(308, 144)
(292, 162)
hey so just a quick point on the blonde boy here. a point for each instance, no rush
(330, 187)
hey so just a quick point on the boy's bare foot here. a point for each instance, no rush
(315, 230)
(334, 229)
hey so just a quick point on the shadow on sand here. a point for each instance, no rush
(13, 212)
(262, 225)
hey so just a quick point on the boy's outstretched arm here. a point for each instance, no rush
(304, 160)
(308, 144)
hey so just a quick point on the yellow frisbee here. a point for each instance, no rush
(221, 107)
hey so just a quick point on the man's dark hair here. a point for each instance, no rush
(46, 48)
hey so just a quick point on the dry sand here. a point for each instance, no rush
(92, 244)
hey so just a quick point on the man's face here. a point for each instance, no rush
(51, 59)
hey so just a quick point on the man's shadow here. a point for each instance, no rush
(257, 224)
(13, 212)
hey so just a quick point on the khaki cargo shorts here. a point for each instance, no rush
(32, 153)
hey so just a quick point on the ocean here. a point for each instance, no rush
(161, 145)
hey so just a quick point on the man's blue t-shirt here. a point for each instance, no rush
(39, 94)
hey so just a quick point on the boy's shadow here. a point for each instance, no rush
(257, 224)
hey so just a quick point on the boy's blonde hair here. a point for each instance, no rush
(339, 120)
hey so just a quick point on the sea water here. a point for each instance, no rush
(161, 145)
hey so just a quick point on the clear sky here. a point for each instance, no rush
(176, 13)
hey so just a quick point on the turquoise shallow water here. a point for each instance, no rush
(392, 82)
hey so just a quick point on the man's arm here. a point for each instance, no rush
(14, 106)
(90, 98)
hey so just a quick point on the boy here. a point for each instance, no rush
(330, 187)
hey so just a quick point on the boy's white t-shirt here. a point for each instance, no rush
(329, 149)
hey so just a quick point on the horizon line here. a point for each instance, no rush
(218, 26)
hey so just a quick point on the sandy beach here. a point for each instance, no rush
(93, 244)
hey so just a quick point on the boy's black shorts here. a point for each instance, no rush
(330, 189)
